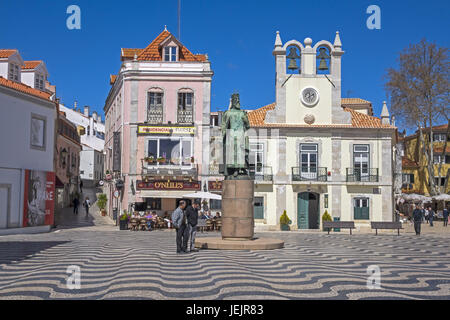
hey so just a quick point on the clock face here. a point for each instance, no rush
(310, 96)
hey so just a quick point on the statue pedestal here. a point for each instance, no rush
(238, 221)
(237, 210)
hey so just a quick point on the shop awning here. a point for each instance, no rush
(161, 194)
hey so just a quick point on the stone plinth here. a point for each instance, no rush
(237, 210)
(255, 244)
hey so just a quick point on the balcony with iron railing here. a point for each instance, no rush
(185, 116)
(309, 174)
(364, 175)
(155, 115)
(261, 173)
(169, 168)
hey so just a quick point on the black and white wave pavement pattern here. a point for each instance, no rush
(144, 265)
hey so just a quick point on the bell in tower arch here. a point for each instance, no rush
(293, 56)
(323, 55)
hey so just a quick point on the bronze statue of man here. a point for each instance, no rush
(235, 140)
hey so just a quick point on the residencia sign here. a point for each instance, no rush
(168, 130)
(168, 185)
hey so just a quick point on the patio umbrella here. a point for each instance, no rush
(442, 197)
(203, 195)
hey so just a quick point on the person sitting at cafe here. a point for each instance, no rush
(167, 220)
(202, 215)
(217, 215)
(150, 223)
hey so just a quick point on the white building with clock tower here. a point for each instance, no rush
(313, 151)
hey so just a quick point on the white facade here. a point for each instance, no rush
(92, 141)
(21, 150)
(91, 164)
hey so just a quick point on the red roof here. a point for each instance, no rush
(31, 64)
(24, 88)
(153, 52)
(6, 53)
(406, 162)
(359, 120)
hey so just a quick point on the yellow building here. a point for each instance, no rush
(415, 176)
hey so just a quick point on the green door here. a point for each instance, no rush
(258, 208)
(302, 210)
(361, 209)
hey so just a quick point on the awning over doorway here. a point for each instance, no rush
(58, 183)
(161, 194)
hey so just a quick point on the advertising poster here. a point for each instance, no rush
(39, 199)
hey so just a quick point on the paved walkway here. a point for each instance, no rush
(144, 265)
(66, 219)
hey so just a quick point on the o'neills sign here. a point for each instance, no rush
(168, 130)
(168, 185)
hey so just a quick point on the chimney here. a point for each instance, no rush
(86, 111)
(94, 115)
(75, 105)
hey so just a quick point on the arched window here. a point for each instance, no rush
(185, 112)
(323, 60)
(155, 106)
(293, 60)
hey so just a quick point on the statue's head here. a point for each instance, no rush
(235, 101)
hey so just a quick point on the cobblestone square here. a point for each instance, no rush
(144, 265)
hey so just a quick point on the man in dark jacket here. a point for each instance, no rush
(192, 217)
(430, 216)
(445, 216)
(417, 218)
(180, 224)
(76, 203)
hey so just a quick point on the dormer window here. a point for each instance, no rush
(13, 73)
(170, 53)
(39, 82)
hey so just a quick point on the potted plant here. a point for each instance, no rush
(326, 217)
(101, 203)
(123, 220)
(161, 160)
(150, 160)
(285, 222)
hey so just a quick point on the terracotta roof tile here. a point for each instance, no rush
(349, 101)
(153, 52)
(6, 53)
(24, 88)
(31, 64)
(440, 149)
(359, 120)
(128, 53)
(406, 162)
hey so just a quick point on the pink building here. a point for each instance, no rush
(157, 118)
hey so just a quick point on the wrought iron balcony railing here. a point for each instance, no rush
(364, 175)
(185, 116)
(155, 115)
(261, 173)
(158, 170)
(309, 174)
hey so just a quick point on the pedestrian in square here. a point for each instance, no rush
(445, 215)
(75, 203)
(426, 214)
(81, 186)
(179, 221)
(87, 205)
(430, 216)
(417, 218)
(192, 217)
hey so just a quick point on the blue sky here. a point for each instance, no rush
(237, 35)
